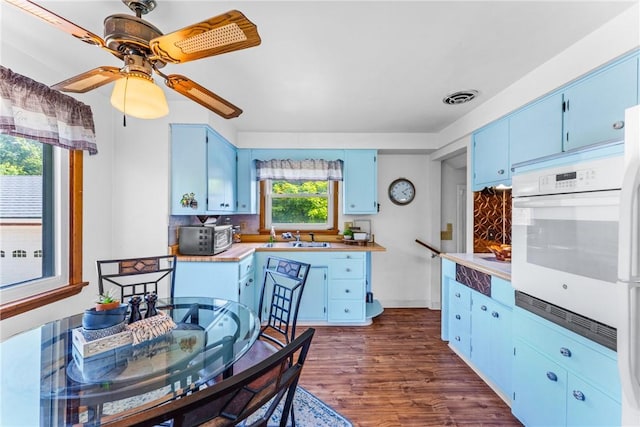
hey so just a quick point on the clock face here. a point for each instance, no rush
(402, 191)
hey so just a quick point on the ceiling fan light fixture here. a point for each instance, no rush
(137, 95)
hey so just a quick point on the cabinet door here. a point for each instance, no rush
(221, 174)
(539, 388)
(207, 279)
(595, 107)
(188, 168)
(247, 288)
(536, 131)
(587, 406)
(246, 185)
(491, 155)
(360, 182)
(313, 305)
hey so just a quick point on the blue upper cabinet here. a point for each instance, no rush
(491, 156)
(360, 190)
(188, 169)
(247, 193)
(594, 108)
(536, 131)
(221, 178)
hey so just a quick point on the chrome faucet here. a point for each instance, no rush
(297, 235)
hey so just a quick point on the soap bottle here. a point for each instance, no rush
(272, 235)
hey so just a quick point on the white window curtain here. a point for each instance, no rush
(306, 170)
(33, 110)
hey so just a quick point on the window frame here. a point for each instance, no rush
(74, 249)
(333, 230)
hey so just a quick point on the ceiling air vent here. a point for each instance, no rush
(460, 97)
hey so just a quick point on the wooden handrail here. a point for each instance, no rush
(434, 251)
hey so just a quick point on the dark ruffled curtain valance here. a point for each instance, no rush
(33, 110)
(307, 170)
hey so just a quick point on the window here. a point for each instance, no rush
(40, 223)
(19, 253)
(299, 205)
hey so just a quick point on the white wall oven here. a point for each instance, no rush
(565, 239)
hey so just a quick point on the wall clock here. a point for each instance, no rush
(402, 191)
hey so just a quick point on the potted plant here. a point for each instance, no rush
(348, 234)
(107, 301)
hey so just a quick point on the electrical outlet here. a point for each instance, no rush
(243, 226)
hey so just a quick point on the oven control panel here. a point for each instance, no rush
(580, 180)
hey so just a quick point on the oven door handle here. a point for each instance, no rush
(603, 198)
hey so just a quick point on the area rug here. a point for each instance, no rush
(310, 412)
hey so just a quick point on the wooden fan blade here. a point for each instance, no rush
(89, 80)
(220, 34)
(202, 96)
(58, 22)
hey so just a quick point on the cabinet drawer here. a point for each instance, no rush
(346, 289)
(587, 406)
(459, 297)
(590, 360)
(461, 341)
(459, 322)
(502, 291)
(346, 310)
(347, 268)
(246, 266)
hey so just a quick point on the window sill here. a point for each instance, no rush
(35, 301)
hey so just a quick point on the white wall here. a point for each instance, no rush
(451, 178)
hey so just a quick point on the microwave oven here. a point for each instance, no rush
(204, 240)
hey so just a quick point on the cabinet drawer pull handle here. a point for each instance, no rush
(618, 125)
(346, 291)
(348, 270)
(501, 172)
(346, 310)
(552, 376)
(495, 314)
(457, 294)
(483, 307)
(458, 316)
(565, 352)
(457, 338)
(578, 395)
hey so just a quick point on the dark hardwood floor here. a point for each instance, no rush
(397, 372)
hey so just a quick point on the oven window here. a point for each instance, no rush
(584, 248)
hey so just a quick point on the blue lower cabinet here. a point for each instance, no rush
(561, 378)
(539, 396)
(460, 318)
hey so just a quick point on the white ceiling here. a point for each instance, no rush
(341, 66)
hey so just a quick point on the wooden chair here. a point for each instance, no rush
(138, 276)
(235, 399)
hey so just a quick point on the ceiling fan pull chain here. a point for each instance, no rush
(124, 103)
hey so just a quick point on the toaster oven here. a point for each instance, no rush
(204, 240)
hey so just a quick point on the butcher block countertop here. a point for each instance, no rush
(484, 262)
(240, 251)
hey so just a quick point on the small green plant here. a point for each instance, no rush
(107, 297)
(348, 232)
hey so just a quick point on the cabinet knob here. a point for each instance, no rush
(565, 352)
(457, 294)
(578, 395)
(457, 338)
(347, 270)
(346, 310)
(618, 125)
(483, 307)
(495, 314)
(501, 172)
(346, 291)
(458, 316)
(352, 206)
(552, 376)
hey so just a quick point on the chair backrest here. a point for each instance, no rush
(237, 398)
(138, 276)
(282, 287)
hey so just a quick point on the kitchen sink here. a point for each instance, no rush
(311, 244)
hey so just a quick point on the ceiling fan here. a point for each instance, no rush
(145, 50)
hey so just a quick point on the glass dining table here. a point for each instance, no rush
(50, 376)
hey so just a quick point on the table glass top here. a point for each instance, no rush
(74, 381)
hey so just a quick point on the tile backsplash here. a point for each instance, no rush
(491, 218)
